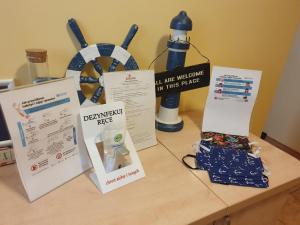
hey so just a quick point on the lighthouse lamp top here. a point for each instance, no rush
(181, 22)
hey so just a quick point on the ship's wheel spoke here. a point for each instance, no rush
(97, 94)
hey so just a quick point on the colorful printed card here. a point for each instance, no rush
(44, 125)
(228, 141)
(231, 97)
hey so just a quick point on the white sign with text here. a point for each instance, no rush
(137, 90)
(231, 97)
(110, 147)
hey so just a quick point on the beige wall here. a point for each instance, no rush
(252, 34)
(283, 123)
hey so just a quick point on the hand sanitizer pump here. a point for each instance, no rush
(167, 118)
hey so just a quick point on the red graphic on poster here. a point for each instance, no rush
(34, 167)
(58, 155)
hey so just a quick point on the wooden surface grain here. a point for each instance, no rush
(169, 194)
(285, 170)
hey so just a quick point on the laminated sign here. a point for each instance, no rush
(43, 122)
(230, 101)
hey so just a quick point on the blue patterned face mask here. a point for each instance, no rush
(230, 166)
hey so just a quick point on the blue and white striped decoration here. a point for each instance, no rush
(90, 53)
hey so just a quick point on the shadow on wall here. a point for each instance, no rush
(161, 62)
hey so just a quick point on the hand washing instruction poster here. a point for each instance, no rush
(231, 97)
(44, 124)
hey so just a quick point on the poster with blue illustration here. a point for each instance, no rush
(232, 94)
(44, 125)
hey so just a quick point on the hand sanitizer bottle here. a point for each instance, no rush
(114, 147)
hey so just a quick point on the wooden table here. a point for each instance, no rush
(169, 194)
(243, 203)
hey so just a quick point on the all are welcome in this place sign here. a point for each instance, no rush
(182, 79)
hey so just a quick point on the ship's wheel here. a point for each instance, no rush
(89, 54)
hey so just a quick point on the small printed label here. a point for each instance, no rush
(118, 138)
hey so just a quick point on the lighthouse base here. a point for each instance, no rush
(169, 127)
(168, 120)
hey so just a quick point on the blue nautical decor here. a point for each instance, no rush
(90, 53)
(229, 165)
(167, 118)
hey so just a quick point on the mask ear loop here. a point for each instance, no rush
(205, 148)
(256, 154)
(198, 145)
(208, 139)
(196, 148)
(267, 170)
(255, 150)
(186, 164)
